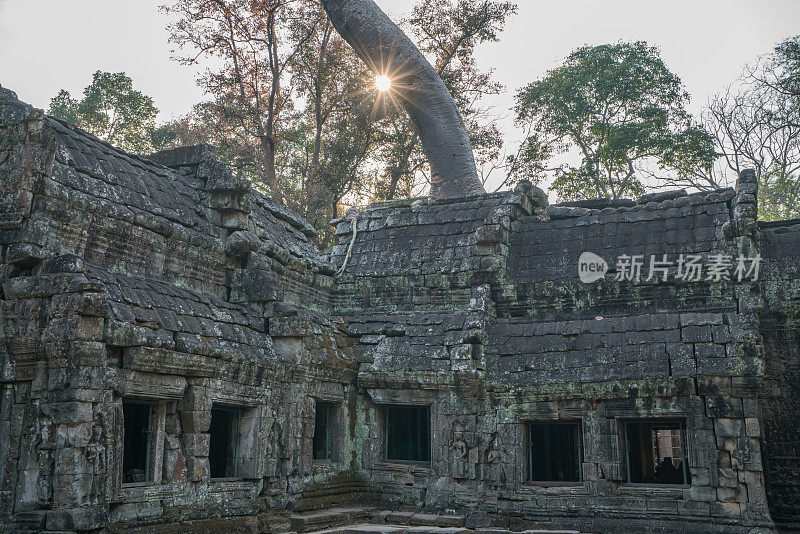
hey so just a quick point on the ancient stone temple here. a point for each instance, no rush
(178, 356)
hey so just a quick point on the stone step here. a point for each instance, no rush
(420, 519)
(368, 528)
(349, 483)
(33, 520)
(328, 518)
(337, 495)
(275, 524)
(371, 528)
(335, 489)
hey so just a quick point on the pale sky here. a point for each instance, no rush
(46, 45)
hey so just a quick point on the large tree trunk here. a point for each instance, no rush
(387, 50)
(270, 176)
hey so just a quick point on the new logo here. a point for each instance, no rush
(591, 267)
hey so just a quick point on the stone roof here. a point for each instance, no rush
(160, 315)
(544, 248)
(414, 238)
(142, 186)
(165, 236)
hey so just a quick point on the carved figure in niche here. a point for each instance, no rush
(41, 450)
(494, 467)
(96, 458)
(460, 466)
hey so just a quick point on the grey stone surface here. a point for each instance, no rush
(166, 280)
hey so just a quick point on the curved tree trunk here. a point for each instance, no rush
(387, 50)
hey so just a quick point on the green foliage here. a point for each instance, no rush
(756, 124)
(336, 141)
(251, 45)
(338, 124)
(112, 110)
(64, 107)
(218, 122)
(778, 197)
(318, 119)
(779, 188)
(343, 166)
(787, 60)
(622, 111)
(163, 136)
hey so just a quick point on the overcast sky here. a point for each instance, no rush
(46, 45)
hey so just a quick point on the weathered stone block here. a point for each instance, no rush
(72, 490)
(696, 334)
(724, 427)
(737, 494)
(752, 427)
(198, 469)
(70, 461)
(240, 244)
(88, 518)
(197, 444)
(195, 421)
(720, 406)
(69, 413)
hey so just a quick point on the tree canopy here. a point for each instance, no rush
(621, 110)
(112, 110)
(756, 124)
(287, 93)
(786, 65)
(252, 46)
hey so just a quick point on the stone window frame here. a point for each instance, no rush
(384, 431)
(682, 419)
(235, 438)
(411, 397)
(525, 464)
(251, 464)
(158, 418)
(336, 430)
(547, 411)
(147, 388)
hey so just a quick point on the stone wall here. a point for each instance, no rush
(171, 282)
(780, 326)
(509, 335)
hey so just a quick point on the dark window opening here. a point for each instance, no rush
(324, 423)
(408, 433)
(136, 442)
(223, 452)
(656, 452)
(555, 452)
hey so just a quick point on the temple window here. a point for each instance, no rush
(656, 452)
(225, 431)
(555, 452)
(324, 430)
(407, 433)
(137, 442)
